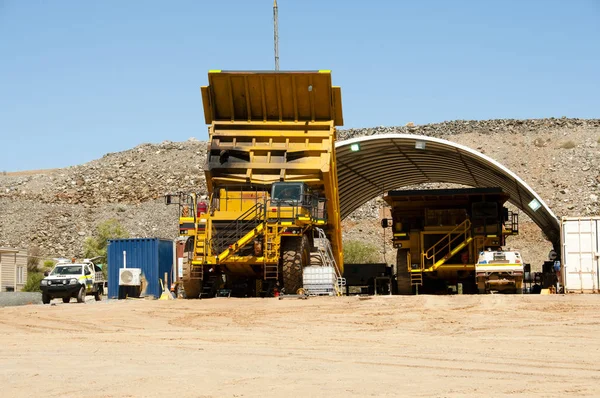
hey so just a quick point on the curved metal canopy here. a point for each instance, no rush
(368, 166)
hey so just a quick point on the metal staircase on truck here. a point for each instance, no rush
(446, 248)
(322, 259)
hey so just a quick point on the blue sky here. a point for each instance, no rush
(79, 79)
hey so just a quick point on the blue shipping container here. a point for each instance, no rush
(154, 256)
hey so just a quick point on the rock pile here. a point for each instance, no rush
(487, 127)
(558, 158)
(144, 173)
(57, 209)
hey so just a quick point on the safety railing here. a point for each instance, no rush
(290, 209)
(444, 247)
(328, 260)
(238, 228)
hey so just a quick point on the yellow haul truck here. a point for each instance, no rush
(441, 233)
(272, 213)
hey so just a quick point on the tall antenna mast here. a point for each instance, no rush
(276, 34)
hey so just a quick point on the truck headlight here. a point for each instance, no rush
(44, 282)
(73, 281)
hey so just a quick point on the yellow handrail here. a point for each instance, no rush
(463, 229)
(243, 241)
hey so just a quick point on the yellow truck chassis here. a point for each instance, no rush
(268, 132)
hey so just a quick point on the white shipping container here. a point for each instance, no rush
(580, 240)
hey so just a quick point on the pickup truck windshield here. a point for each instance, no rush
(66, 269)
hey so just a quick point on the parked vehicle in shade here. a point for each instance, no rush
(500, 271)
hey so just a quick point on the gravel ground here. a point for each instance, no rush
(9, 299)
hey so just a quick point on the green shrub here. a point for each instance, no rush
(96, 246)
(33, 282)
(568, 145)
(33, 260)
(357, 252)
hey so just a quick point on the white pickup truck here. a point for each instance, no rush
(500, 271)
(71, 279)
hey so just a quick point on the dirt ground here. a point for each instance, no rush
(443, 346)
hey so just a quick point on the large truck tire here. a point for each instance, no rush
(46, 298)
(191, 287)
(295, 256)
(403, 275)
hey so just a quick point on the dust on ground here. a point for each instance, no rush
(451, 346)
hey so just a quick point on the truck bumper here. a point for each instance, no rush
(60, 291)
(501, 282)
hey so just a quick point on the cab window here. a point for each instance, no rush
(287, 192)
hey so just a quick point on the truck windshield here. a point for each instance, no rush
(66, 270)
(287, 192)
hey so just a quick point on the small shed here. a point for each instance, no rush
(13, 269)
(153, 256)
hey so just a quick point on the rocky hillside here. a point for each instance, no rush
(56, 209)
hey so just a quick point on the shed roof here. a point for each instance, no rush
(390, 161)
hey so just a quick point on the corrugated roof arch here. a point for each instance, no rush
(391, 161)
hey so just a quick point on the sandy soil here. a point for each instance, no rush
(29, 172)
(443, 346)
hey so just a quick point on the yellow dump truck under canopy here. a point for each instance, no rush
(264, 96)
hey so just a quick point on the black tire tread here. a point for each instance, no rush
(403, 276)
(295, 257)
(191, 287)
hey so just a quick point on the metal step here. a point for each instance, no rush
(208, 288)
(196, 272)
(416, 278)
(271, 271)
(316, 259)
(199, 249)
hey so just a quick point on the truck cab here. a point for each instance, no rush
(297, 200)
(72, 279)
